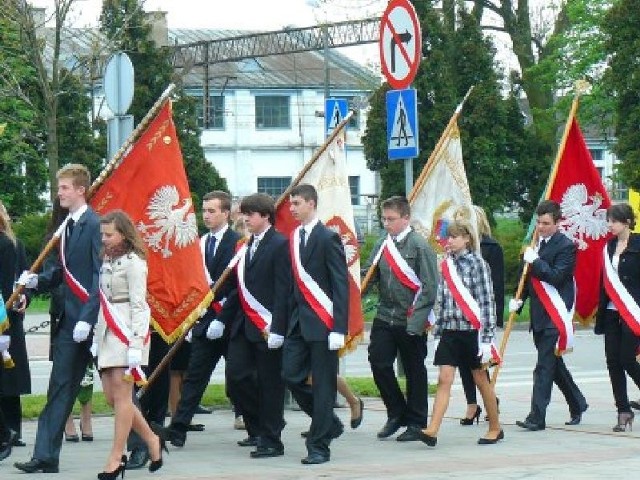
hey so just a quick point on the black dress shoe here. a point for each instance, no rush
(391, 427)
(172, 434)
(266, 452)
(491, 441)
(315, 459)
(195, 427)
(577, 417)
(34, 465)
(337, 430)
(411, 434)
(7, 445)
(248, 442)
(203, 409)
(138, 459)
(355, 422)
(530, 425)
(428, 439)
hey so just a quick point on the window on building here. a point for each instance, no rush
(274, 186)
(215, 118)
(597, 154)
(354, 187)
(272, 111)
(354, 121)
(600, 172)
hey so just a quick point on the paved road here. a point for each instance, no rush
(587, 451)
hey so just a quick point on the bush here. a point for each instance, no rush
(509, 232)
(31, 230)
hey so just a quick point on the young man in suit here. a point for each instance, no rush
(78, 270)
(318, 323)
(399, 328)
(256, 313)
(553, 262)
(208, 342)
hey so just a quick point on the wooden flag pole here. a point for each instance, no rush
(534, 237)
(108, 169)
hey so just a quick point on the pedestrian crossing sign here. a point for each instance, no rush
(335, 109)
(402, 124)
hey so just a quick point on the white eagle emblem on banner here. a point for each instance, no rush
(582, 216)
(172, 220)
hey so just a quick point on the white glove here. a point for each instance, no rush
(514, 305)
(81, 331)
(189, 336)
(530, 255)
(5, 341)
(215, 330)
(485, 353)
(275, 341)
(336, 340)
(134, 357)
(28, 279)
(436, 342)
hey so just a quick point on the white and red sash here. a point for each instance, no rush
(121, 330)
(620, 296)
(74, 285)
(257, 313)
(317, 299)
(402, 271)
(557, 310)
(469, 305)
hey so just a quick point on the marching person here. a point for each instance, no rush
(318, 323)
(618, 315)
(122, 336)
(464, 328)
(256, 315)
(492, 254)
(407, 279)
(78, 269)
(208, 342)
(550, 278)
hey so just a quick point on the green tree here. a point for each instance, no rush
(623, 81)
(126, 24)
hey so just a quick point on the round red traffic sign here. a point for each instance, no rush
(400, 43)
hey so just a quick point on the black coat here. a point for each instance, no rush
(493, 255)
(14, 381)
(629, 273)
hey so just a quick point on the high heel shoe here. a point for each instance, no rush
(118, 471)
(426, 438)
(85, 436)
(157, 464)
(491, 441)
(475, 418)
(624, 419)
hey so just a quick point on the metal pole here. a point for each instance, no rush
(408, 175)
(325, 42)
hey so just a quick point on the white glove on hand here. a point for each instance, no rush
(514, 305)
(28, 279)
(215, 330)
(189, 336)
(530, 255)
(485, 353)
(336, 340)
(275, 341)
(81, 331)
(5, 341)
(134, 357)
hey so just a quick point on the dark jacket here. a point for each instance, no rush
(629, 273)
(493, 255)
(324, 260)
(14, 381)
(555, 266)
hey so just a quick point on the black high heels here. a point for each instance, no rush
(118, 471)
(428, 439)
(157, 464)
(475, 418)
(624, 419)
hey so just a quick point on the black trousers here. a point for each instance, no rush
(205, 355)
(11, 407)
(154, 403)
(4, 428)
(301, 359)
(254, 374)
(620, 347)
(551, 369)
(387, 342)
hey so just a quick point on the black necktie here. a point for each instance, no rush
(543, 243)
(70, 225)
(211, 247)
(303, 235)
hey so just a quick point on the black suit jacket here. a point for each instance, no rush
(215, 266)
(324, 259)
(268, 277)
(555, 266)
(493, 255)
(629, 273)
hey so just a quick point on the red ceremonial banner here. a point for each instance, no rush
(151, 186)
(578, 188)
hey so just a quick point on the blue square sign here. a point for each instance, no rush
(335, 109)
(402, 124)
